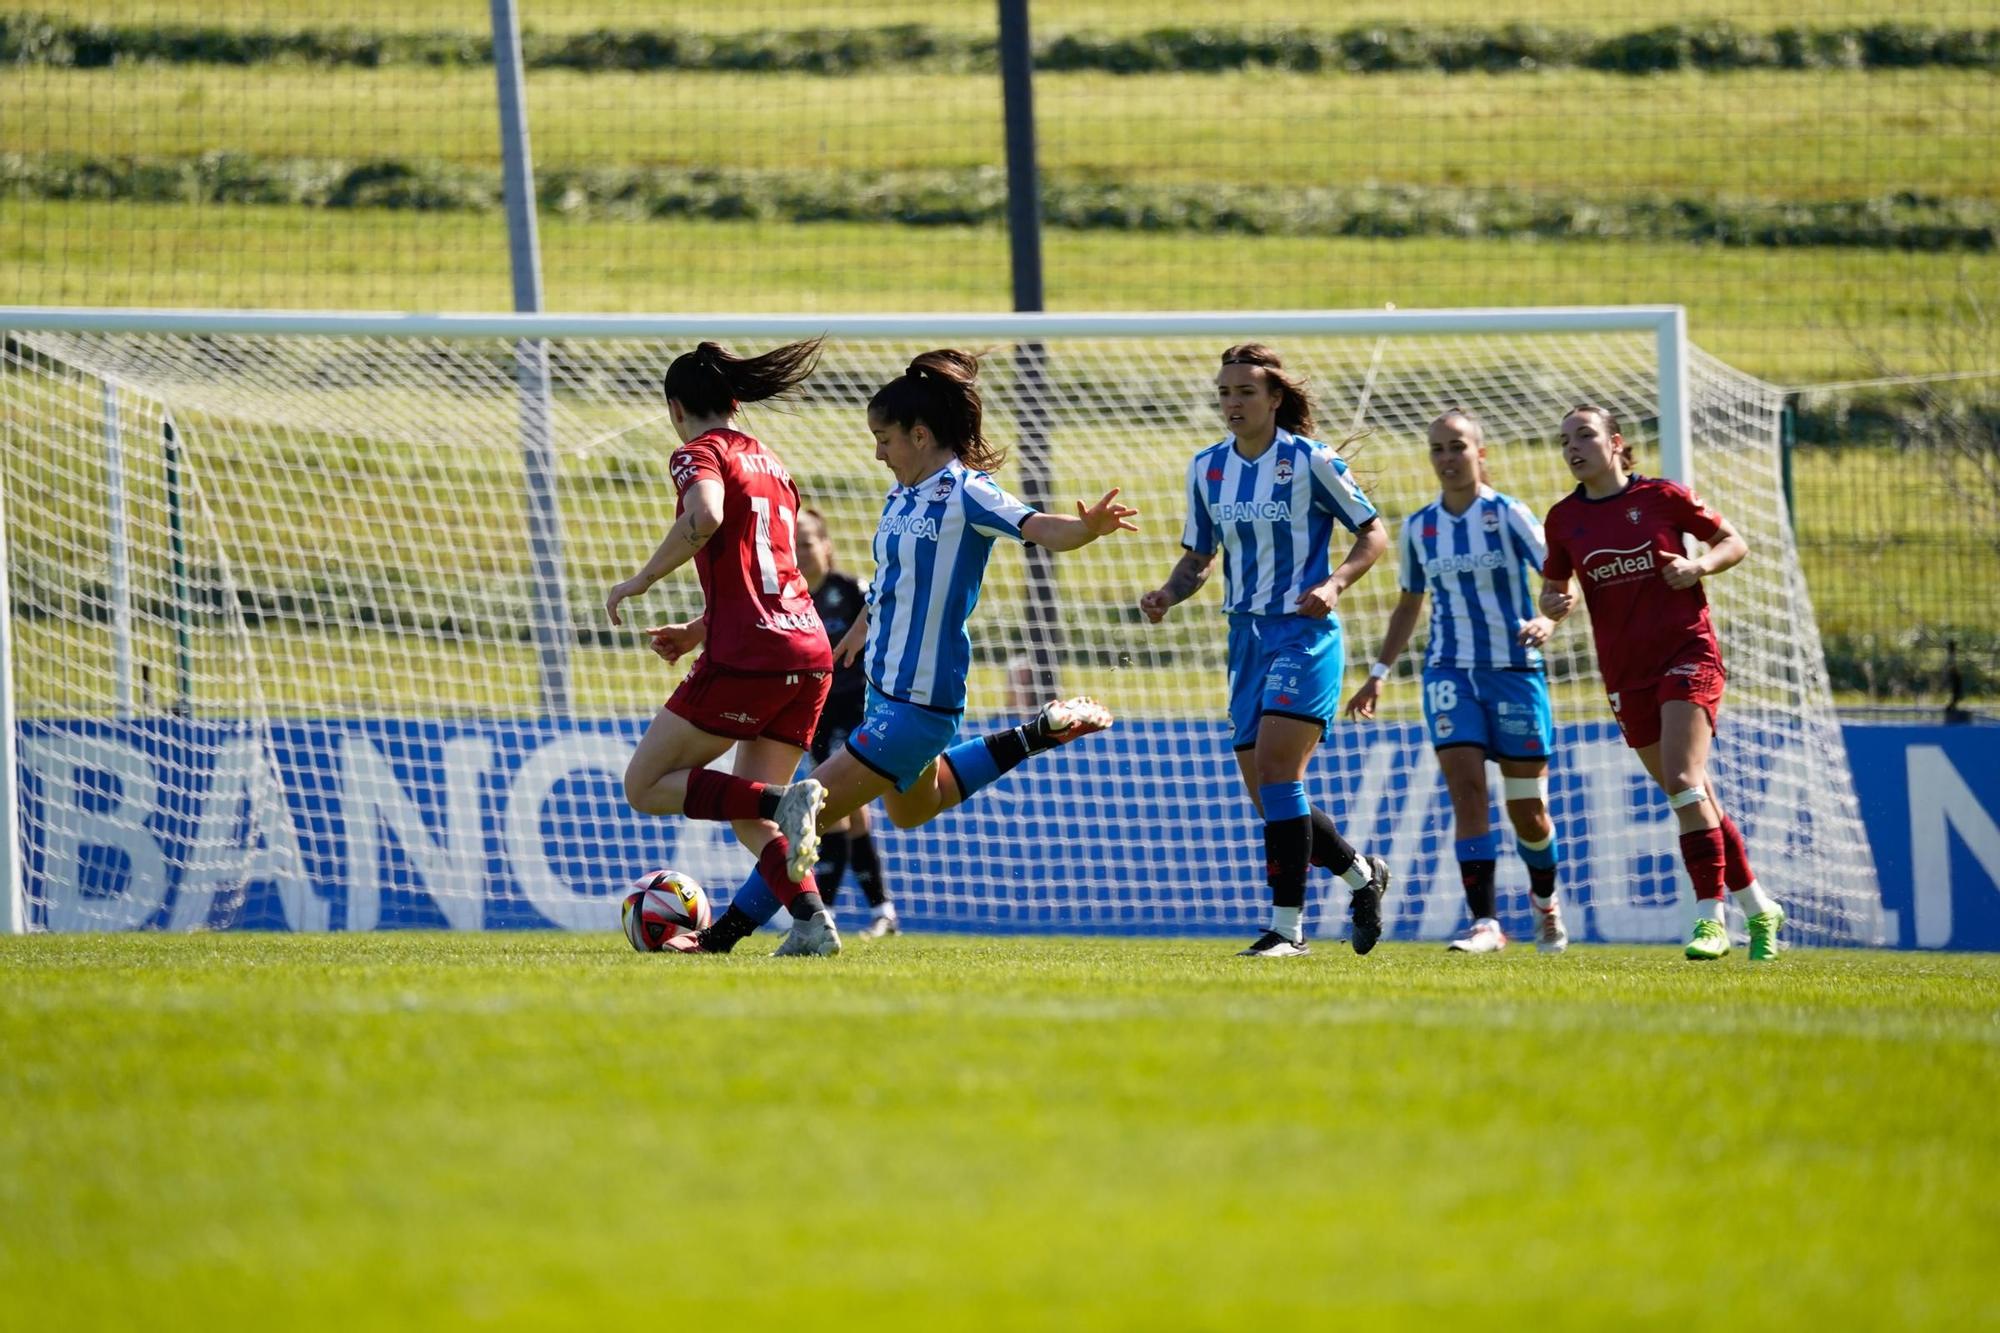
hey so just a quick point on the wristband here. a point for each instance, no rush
(1379, 671)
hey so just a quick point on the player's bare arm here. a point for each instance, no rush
(1058, 532)
(1318, 601)
(700, 516)
(1725, 551)
(1556, 601)
(1402, 624)
(852, 642)
(1189, 573)
(675, 641)
(1537, 632)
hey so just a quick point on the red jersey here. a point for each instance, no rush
(760, 613)
(1619, 546)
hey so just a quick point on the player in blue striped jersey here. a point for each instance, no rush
(1266, 500)
(1473, 551)
(937, 530)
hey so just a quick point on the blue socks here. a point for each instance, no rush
(1485, 847)
(1282, 801)
(1538, 858)
(755, 899)
(974, 765)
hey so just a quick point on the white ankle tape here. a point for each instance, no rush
(1526, 789)
(1692, 796)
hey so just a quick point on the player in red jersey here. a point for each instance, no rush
(1624, 536)
(766, 667)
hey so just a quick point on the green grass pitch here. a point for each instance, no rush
(549, 1131)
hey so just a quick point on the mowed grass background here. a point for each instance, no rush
(734, 16)
(1786, 315)
(418, 1131)
(1794, 314)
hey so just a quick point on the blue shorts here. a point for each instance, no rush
(900, 740)
(1288, 666)
(1505, 713)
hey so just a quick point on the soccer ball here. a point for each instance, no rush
(665, 905)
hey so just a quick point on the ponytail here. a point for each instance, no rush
(941, 389)
(1295, 400)
(711, 380)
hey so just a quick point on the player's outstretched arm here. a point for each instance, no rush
(700, 516)
(1402, 624)
(1186, 580)
(1060, 533)
(1725, 551)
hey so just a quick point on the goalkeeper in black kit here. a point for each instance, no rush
(848, 844)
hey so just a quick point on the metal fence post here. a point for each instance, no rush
(550, 615)
(1024, 234)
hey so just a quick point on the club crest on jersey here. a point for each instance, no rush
(1633, 513)
(1282, 473)
(1490, 520)
(941, 490)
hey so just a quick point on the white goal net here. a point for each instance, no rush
(306, 629)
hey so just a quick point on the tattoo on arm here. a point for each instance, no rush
(1189, 575)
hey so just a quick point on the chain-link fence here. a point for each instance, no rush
(1817, 184)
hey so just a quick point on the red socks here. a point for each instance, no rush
(1736, 870)
(723, 796)
(1702, 852)
(771, 864)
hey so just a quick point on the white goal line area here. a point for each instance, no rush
(305, 609)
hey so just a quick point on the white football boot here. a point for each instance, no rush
(1482, 936)
(817, 938)
(1066, 720)
(1550, 937)
(880, 928)
(1273, 945)
(798, 820)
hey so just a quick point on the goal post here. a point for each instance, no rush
(363, 732)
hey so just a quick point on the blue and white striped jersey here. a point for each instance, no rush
(1271, 518)
(1476, 566)
(930, 558)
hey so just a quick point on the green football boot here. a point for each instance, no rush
(1709, 941)
(1764, 928)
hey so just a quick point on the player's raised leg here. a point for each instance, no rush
(973, 765)
(667, 775)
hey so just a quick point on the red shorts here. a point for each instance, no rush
(743, 706)
(1697, 677)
